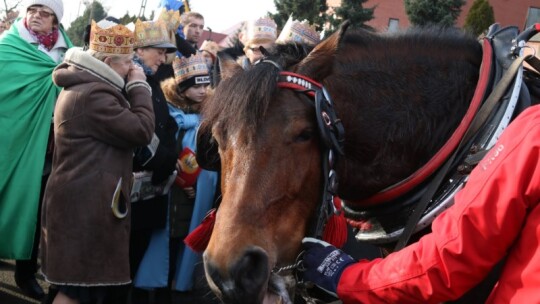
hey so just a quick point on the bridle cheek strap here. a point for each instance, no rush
(330, 224)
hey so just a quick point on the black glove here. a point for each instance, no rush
(165, 165)
(323, 264)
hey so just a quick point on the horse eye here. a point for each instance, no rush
(305, 135)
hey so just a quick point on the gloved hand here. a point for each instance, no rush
(323, 264)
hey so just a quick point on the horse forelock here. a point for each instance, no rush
(242, 101)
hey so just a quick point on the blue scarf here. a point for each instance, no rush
(146, 69)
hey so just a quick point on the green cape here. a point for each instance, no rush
(27, 98)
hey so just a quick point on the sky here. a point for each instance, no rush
(219, 15)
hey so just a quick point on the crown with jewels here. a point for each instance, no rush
(192, 66)
(117, 39)
(171, 18)
(148, 33)
(262, 29)
(301, 32)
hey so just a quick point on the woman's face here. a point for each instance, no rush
(152, 57)
(197, 93)
(40, 19)
(120, 64)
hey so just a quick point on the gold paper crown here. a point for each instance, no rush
(118, 39)
(301, 32)
(262, 29)
(150, 33)
(210, 46)
(192, 66)
(171, 18)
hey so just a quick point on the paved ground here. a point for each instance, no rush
(10, 293)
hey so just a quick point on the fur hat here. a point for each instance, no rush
(57, 6)
(190, 71)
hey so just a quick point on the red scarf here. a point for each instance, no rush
(48, 40)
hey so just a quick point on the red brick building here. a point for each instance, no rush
(390, 14)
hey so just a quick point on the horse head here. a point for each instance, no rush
(389, 93)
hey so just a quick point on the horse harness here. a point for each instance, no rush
(488, 116)
(429, 191)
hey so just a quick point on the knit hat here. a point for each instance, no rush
(190, 71)
(57, 6)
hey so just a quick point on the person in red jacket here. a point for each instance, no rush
(496, 215)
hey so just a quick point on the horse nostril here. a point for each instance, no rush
(246, 280)
(251, 271)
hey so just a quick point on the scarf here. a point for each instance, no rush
(138, 61)
(47, 40)
(27, 98)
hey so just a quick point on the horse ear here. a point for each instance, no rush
(318, 63)
(228, 67)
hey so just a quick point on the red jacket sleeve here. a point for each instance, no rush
(470, 237)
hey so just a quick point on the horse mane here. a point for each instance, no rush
(411, 90)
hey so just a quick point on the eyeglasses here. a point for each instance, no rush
(42, 13)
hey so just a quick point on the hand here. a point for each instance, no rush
(323, 264)
(135, 73)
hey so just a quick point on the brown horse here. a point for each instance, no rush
(399, 98)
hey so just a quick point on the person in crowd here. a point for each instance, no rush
(103, 113)
(209, 50)
(186, 37)
(195, 190)
(157, 159)
(495, 218)
(258, 33)
(192, 28)
(33, 46)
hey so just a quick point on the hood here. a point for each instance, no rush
(80, 67)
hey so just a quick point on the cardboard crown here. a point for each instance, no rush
(152, 33)
(301, 32)
(116, 40)
(211, 47)
(262, 29)
(171, 18)
(190, 67)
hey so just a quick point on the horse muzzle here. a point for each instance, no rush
(247, 281)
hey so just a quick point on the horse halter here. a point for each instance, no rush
(332, 135)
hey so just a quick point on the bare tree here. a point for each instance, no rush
(9, 11)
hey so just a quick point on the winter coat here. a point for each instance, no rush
(96, 128)
(495, 216)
